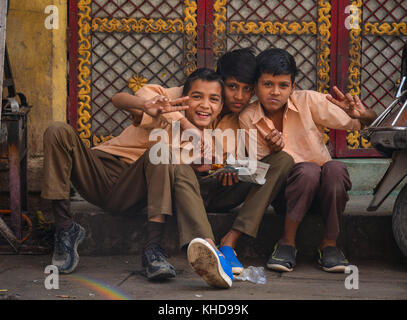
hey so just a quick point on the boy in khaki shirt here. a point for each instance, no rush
(293, 121)
(120, 175)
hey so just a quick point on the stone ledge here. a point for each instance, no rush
(364, 235)
(364, 174)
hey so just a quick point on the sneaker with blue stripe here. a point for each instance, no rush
(231, 257)
(209, 263)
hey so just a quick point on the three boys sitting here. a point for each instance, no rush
(289, 138)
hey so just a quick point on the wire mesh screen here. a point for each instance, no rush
(155, 9)
(116, 58)
(381, 51)
(123, 42)
(304, 47)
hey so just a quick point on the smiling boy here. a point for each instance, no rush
(293, 121)
(118, 175)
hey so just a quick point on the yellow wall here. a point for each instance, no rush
(38, 59)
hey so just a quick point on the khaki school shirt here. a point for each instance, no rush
(304, 119)
(134, 140)
(227, 122)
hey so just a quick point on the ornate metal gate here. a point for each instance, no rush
(120, 45)
(373, 62)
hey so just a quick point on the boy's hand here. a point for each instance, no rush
(275, 141)
(348, 103)
(161, 104)
(353, 107)
(228, 178)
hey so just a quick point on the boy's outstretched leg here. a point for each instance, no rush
(196, 232)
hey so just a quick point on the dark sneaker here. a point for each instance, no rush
(155, 265)
(210, 264)
(282, 258)
(65, 255)
(332, 259)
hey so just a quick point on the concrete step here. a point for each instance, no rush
(366, 173)
(364, 235)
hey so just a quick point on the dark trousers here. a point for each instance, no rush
(321, 189)
(254, 198)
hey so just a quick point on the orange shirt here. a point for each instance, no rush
(228, 121)
(306, 115)
(134, 141)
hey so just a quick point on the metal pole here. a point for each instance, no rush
(3, 19)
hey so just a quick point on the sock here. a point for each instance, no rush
(155, 231)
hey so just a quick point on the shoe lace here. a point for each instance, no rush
(62, 242)
(158, 253)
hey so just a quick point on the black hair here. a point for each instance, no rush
(239, 64)
(204, 74)
(276, 61)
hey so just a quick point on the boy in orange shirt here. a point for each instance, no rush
(293, 121)
(119, 175)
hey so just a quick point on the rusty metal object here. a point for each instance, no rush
(9, 236)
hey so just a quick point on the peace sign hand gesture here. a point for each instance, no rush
(161, 104)
(348, 103)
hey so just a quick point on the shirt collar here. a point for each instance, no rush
(259, 112)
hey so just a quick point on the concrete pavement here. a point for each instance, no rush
(119, 278)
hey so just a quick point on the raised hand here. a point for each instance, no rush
(161, 104)
(348, 103)
(275, 141)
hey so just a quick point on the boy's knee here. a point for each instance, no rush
(184, 170)
(307, 170)
(285, 160)
(335, 174)
(55, 130)
(307, 175)
(334, 167)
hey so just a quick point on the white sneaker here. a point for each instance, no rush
(209, 263)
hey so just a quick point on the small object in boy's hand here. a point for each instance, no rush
(217, 166)
(228, 176)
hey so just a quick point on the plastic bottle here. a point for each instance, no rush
(253, 274)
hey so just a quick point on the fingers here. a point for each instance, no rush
(278, 146)
(168, 109)
(157, 99)
(333, 100)
(228, 179)
(338, 93)
(275, 140)
(273, 133)
(358, 102)
(235, 177)
(349, 97)
(178, 101)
